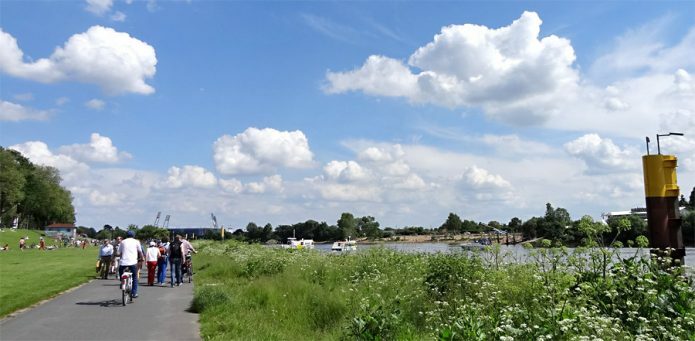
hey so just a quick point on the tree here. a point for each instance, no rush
(149, 232)
(515, 225)
(347, 225)
(12, 182)
(691, 203)
(453, 224)
(369, 227)
(530, 228)
(45, 200)
(682, 202)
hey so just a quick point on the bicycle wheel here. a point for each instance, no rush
(124, 296)
(190, 274)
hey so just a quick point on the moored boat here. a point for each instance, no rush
(294, 243)
(344, 245)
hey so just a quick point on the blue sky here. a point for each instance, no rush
(285, 111)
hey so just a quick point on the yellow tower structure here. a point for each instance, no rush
(661, 192)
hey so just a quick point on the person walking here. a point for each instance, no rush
(162, 262)
(152, 259)
(175, 256)
(105, 254)
(131, 256)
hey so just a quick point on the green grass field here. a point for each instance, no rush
(30, 276)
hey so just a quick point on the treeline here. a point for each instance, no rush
(31, 193)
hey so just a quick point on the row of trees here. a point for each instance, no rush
(347, 227)
(31, 193)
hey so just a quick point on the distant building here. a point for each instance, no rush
(192, 232)
(639, 211)
(62, 230)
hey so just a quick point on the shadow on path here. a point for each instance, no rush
(109, 303)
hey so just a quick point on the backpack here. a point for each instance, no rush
(175, 249)
(162, 252)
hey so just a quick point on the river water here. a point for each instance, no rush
(513, 252)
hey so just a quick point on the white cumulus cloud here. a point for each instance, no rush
(231, 185)
(511, 72)
(189, 176)
(346, 171)
(115, 61)
(98, 198)
(601, 155)
(39, 153)
(480, 178)
(269, 184)
(16, 112)
(99, 149)
(257, 151)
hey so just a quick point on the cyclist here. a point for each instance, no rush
(131, 257)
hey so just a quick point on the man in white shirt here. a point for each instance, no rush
(131, 254)
(105, 254)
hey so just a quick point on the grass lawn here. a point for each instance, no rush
(31, 276)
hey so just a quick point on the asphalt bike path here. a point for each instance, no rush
(95, 311)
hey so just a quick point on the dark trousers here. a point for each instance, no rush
(105, 263)
(175, 264)
(134, 271)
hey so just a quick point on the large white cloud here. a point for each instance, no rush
(16, 112)
(99, 149)
(257, 151)
(189, 176)
(508, 71)
(479, 178)
(601, 155)
(271, 183)
(39, 153)
(345, 171)
(115, 61)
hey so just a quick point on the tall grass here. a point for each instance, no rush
(255, 292)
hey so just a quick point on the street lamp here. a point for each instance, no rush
(658, 147)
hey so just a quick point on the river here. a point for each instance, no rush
(515, 252)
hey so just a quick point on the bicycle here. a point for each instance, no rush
(188, 268)
(127, 286)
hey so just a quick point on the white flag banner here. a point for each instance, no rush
(15, 222)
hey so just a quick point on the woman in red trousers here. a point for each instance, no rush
(151, 258)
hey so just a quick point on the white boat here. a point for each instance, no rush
(299, 244)
(344, 245)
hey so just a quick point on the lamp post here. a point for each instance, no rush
(658, 147)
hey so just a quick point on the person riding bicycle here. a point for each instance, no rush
(131, 258)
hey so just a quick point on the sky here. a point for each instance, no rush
(280, 112)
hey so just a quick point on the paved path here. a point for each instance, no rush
(95, 312)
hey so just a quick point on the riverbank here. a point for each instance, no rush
(281, 294)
